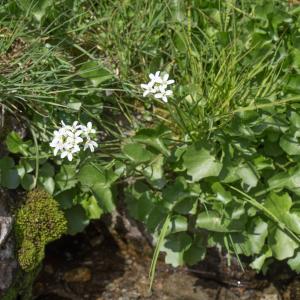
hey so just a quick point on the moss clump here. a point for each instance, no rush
(38, 222)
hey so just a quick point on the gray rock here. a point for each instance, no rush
(8, 263)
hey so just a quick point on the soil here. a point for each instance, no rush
(92, 266)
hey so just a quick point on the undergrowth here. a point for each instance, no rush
(217, 164)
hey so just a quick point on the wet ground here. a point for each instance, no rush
(93, 266)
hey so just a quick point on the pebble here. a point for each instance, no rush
(270, 293)
(81, 274)
(96, 241)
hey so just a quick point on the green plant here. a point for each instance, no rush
(38, 222)
(225, 173)
(216, 166)
(82, 188)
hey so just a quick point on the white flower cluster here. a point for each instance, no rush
(158, 86)
(68, 138)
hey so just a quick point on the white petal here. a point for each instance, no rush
(55, 151)
(144, 86)
(93, 145)
(162, 89)
(68, 145)
(165, 99)
(78, 133)
(75, 149)
(150, 84)
(83, 128)
(62, 131)
(64, 154)
(158, 80)
(169, 93)
(89, 125)
(171, 81)
(70, 134)
(52, 145)
(146, 93)
(70, 156)
(158, 95)
(165, 78)
(152, 76)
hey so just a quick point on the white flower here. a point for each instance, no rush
(75, 127)
(57, 144)
(149, 88)
(165, 81)
(58, 141)
(157, 86)
(163, 94)
(88, 129)
(74, 138)
(64, 127)
(67, 153)
(75, 149)
(68, 139)
(90, 144)
(155, 77)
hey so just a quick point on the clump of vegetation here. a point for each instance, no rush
(38, 222)
(216, 164)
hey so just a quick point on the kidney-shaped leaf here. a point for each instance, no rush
(200, 163)
(104, 197)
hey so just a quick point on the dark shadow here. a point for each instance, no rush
(94, 257)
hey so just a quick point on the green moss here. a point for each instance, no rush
(38, 222)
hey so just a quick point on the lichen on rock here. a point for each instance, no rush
(38, 222)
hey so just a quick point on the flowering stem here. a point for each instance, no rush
(36, 155)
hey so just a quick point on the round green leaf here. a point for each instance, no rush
(77, 219)
(28, 182)
(104, 197)
(137, 153)
(194, 254)
(90, 174)
(10, 179)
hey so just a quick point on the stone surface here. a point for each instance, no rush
(271, 293)
(8, 263)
